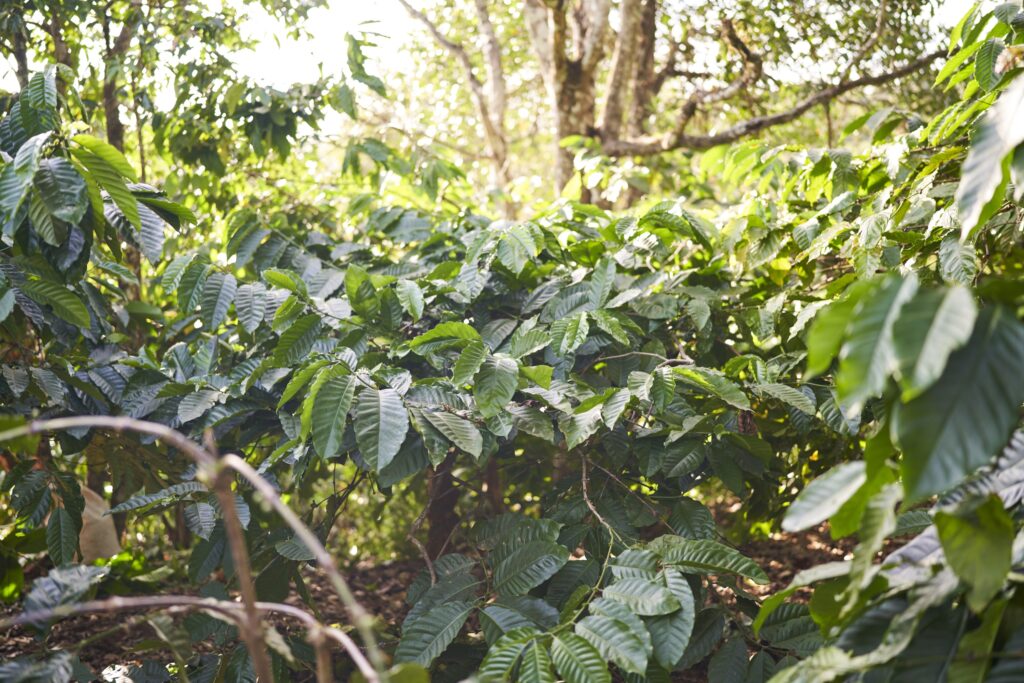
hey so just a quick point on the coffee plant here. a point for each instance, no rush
(839, 341)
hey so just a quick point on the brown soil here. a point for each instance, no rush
(381, 589)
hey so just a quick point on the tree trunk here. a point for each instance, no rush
(441, 515)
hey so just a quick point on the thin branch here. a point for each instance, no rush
(869, 44)
(209, 469)
(655, 145)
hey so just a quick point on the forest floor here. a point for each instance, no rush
(381, 589)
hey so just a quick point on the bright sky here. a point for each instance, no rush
(281, 61)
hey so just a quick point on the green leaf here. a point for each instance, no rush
(64, 303)
(615, 641)
(824, 496)
(536, 665)
(540, 375)
(111, 180)
(729, 665)
(431, 634)
(108, 153)
(568, 334)
(791, 396)
(502, 657)
(715, 384)
(579, 427)
(330, 412)
(527, 342)
(642, 596)
(577, 661)
(931, 326)
(706, 557)
(296, 342)
(977, 540)
(964, 418)
(361, 293)
(468, 362)
(459, 431)
(975, 648)
(601, 281)
(985, 63)
(528, 566)
(868, 356)
(411, 297)
(826, 334)
(670, 633)
(444, 335)
(195, 405)
(381, 423)
(495, 385)
(62, 189)
(284, 279)
(958, 261)
(515, 248)
(250, 305)
(61, 537)
(1001, 130)
(218, 295)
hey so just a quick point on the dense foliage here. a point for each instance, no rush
(836, 336)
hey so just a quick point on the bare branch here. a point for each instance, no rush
(491, 117)
(655, 145)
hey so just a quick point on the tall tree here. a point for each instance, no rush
(640, 78)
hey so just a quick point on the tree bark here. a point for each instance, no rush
(442, 517)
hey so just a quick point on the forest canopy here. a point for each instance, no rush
(579, 340)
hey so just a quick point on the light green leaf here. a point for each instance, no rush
(445, 334)
(977, 540)
(715, 384)
(931, 326)
(824, 496)
(868, 356)
(999, 133)
(601, 281)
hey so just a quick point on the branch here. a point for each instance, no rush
(870, 43)
(655, 145)
(493, 132)
(210, 469)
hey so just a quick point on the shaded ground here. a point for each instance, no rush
(381, 589)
